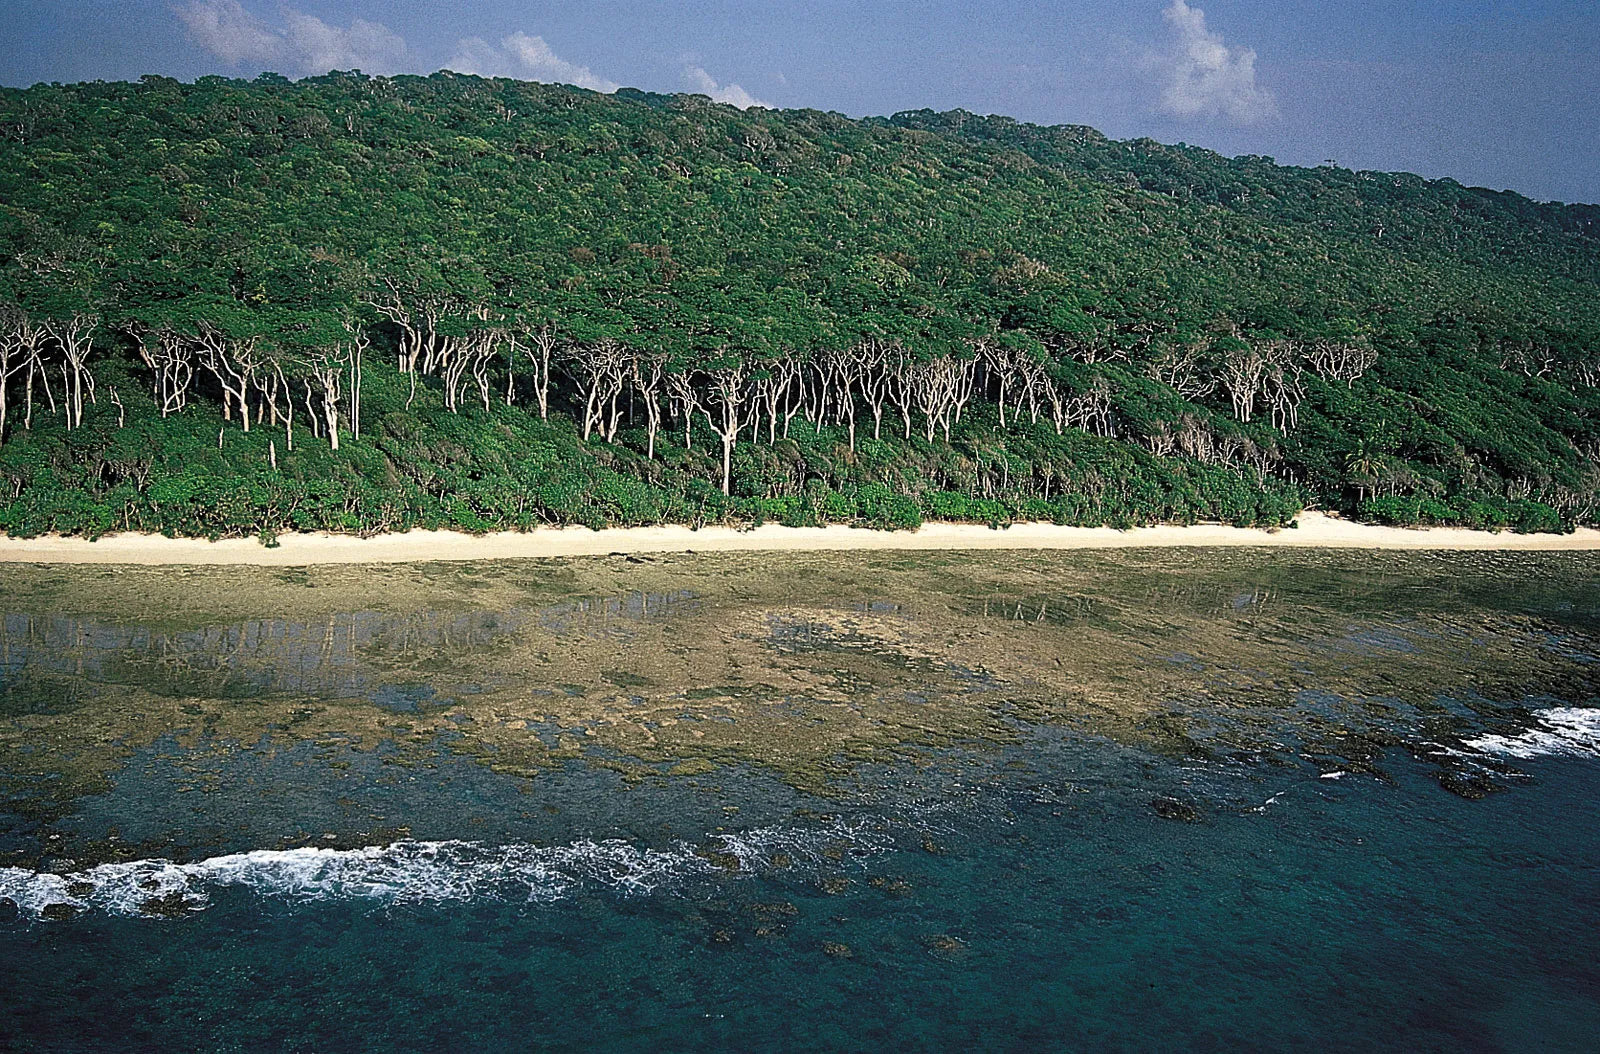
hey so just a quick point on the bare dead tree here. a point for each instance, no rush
(874, 377)
(19, 341)
(1035, 379)
(769, 395)
(1257, 458)
(1283, 384)
(1088, 411)
(74, 339)
(838, 373)
(814, 380)
(461, 356)
(1345, 361)
(1195, 439)
(38, 371)
(270, 383)
(1243, 368)
(1000, 362)
(685, 400)
(234, 363)
(358, 343)
(1530, 358)
(941, 387)
(649, 377)
(1088, 349)
(1181, 368)
(601, 373)
(170, 356)
(728, 394)
(417, 318)
(537, 348)
(1160, 440)
(1586, 370)
(323, 371)
(793, 370)
(903, 390)
(1059, 404)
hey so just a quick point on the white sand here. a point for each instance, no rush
(1316, 530)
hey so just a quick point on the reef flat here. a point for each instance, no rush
(804, 667)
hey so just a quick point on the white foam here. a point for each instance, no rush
(424, 872)
(1564, 730)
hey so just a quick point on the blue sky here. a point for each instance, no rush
(1490, 93)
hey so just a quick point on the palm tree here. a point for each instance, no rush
(1365, 467)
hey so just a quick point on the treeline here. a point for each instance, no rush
(365, 304)
(453, 359)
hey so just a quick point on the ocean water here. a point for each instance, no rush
(1061, 887)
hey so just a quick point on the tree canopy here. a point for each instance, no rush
(362, 303)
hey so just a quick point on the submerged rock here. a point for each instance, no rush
(1474, 786)
(944, 946)
(729, 862)
(1173, 809)
(169, 906)
(895, 887)
(780, 910)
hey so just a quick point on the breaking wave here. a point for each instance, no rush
(414, 872)
(1561, 730)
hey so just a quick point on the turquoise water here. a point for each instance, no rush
(1282, 867)
(1035, 900)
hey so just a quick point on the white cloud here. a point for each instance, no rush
(304, 43)
(732, 94)
(1201, 76)
(543, 64)
(229, 32)
(478, 57)
(524, 57)
(369, 46)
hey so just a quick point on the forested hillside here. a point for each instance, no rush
(362, 304)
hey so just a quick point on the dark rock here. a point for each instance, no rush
(1173, 809)
(782, 909)
(718, 858)
(1474, 786)
(169, 906)
(944, 946)
(895, 887)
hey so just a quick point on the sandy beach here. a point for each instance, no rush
(1315, 530)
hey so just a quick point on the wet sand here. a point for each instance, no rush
(1314, 530)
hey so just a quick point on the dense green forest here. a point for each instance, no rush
(362, 304)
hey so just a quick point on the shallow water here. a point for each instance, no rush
(1348, 803)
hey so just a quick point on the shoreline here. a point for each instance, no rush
(1315, 530)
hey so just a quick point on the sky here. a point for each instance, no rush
(1504, 95)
